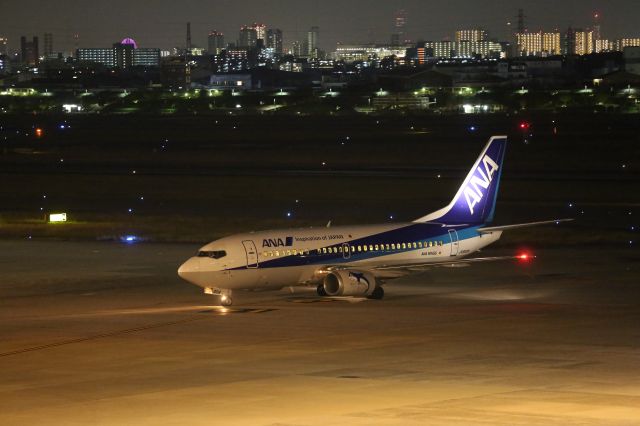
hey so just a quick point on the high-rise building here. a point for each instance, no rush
(261, 31)
(216, 43)
(603, 46)
(311, 45)
(582, 42)
(627, 42)
(474, 35)
(551, 44)
(48, 44)
(146, 57)
(248, 38)
(122, 55)
(539, 44)
(482, 49)
(4, 49)
(274, 40)
(440, 49)
(30, 54)
(462, 49)
(297, 49)
(398, 36)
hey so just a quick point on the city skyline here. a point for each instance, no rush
(102, 23)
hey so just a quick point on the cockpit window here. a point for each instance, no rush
(216, 254)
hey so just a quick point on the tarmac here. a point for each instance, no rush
(107, 334)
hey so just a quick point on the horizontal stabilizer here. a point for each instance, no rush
(522, 225)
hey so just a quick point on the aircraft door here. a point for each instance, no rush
(252, 254)
(346, 251)
(455, 242)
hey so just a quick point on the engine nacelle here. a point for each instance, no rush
(349, 283)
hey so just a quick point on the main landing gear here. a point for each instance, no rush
(377, 294)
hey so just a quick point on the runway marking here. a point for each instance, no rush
(217, 311)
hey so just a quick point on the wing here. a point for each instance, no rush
(521, 225)
(388, 272)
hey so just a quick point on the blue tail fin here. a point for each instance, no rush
(475, 201)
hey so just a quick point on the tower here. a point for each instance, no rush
(188, 37)
(521, 26)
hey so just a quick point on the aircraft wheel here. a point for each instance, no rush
(377, 294)
(321, 291)
(226, 301)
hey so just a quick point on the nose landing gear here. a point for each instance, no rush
(225, 298)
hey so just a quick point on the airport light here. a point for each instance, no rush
(39, 132)
(129, 239)
(525, 257)
(57, 217)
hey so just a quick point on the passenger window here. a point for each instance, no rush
(324, 250)
(353, 249)
(415, 245)
(359, 248)
(370, 247)
(387, 246)
(277, 253)
(294, 251)
(420, 244)
(377, 247)
(404, 246)
(364, 248)
(393, 246)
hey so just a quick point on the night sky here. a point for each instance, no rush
(161, 23)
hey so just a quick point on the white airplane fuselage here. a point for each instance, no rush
(275, 259)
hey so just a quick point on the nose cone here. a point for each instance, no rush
(189, 269)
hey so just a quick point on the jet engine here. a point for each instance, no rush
(349, 283)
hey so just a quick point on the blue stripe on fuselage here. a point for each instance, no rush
(408, 234)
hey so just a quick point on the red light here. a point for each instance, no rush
(38, 132)
(525, 257)
(524, 125)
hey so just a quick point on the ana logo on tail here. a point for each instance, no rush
(480, 180)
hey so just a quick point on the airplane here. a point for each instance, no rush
(357, 260)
